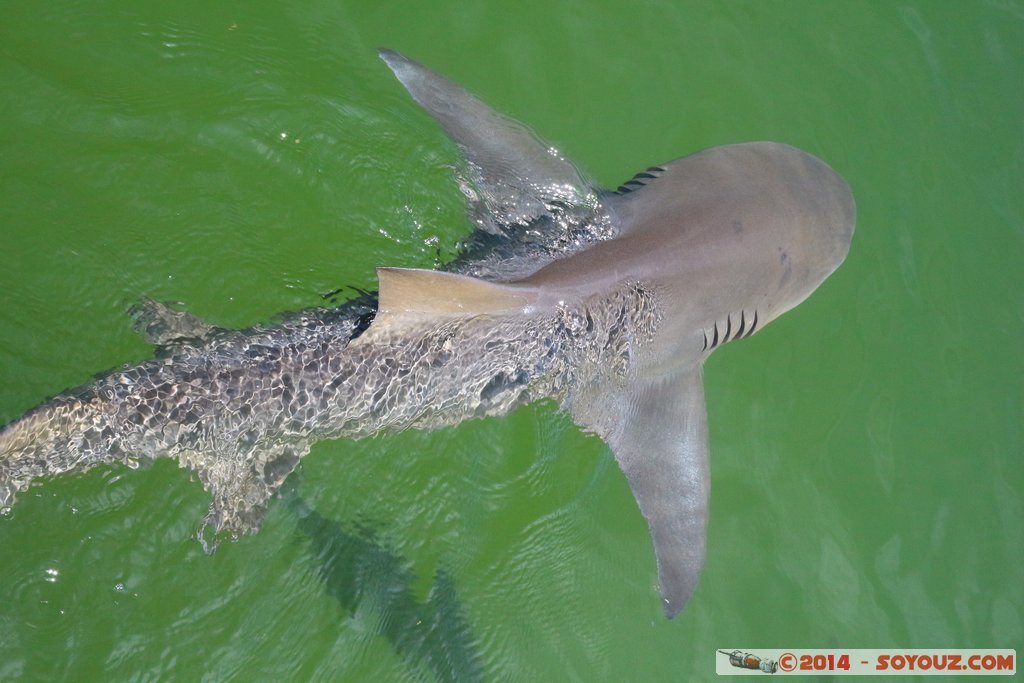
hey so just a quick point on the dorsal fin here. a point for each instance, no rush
(411, 295)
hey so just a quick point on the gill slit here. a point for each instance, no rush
(742, 331)
(753, 325)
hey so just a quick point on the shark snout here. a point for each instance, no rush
(836, 207)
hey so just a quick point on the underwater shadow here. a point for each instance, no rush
(360, 572)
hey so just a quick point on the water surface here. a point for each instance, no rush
(245, 158)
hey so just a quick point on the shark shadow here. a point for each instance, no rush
(360, 571)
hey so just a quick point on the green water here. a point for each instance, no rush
(246, 157)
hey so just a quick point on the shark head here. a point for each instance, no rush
(729, 238)
(733, 236)
(725, 240)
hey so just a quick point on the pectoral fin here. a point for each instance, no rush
(658, 432)
(163, 325)
(515, 178)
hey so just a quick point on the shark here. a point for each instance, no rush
(607, 302)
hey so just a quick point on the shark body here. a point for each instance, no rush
(608, 302)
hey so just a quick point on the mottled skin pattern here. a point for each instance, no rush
(242, 407)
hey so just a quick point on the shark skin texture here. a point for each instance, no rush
(608, 302)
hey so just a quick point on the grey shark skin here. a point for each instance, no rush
(607, 302)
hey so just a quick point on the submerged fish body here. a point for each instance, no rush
(608, 302)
